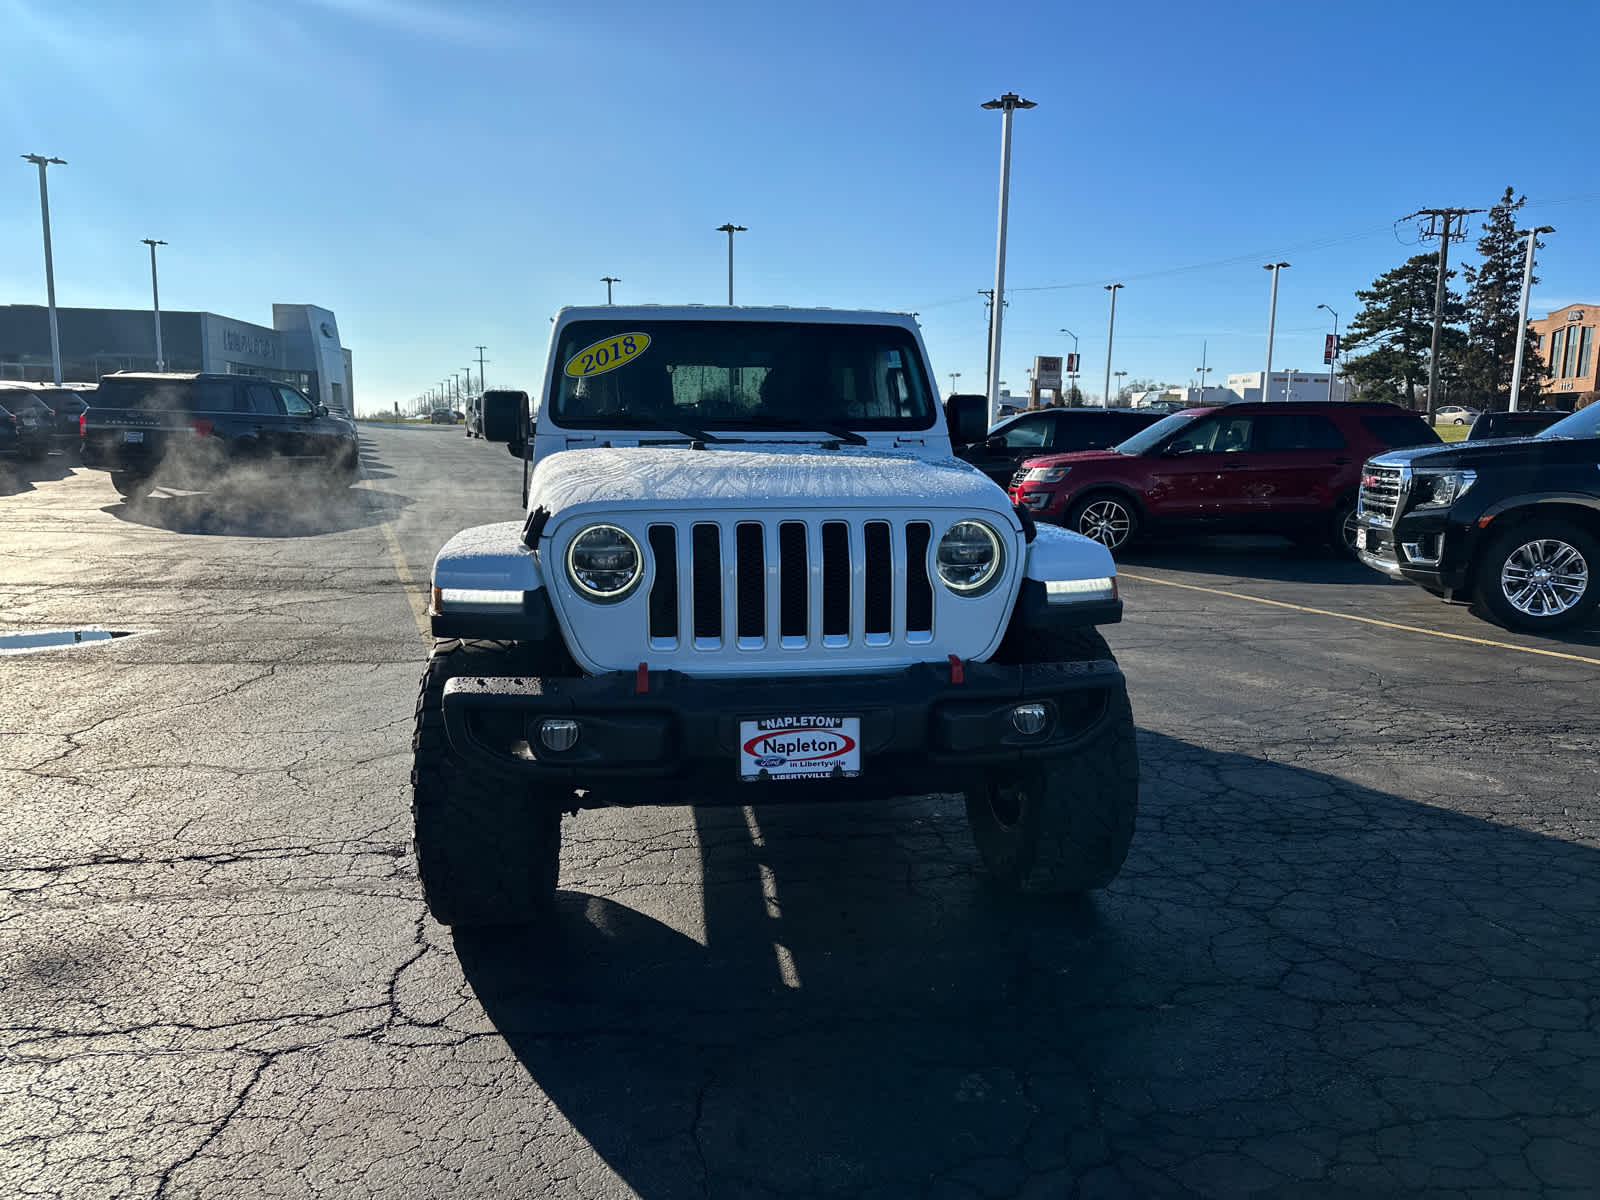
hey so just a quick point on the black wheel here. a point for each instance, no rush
(1064, 827)
(130, 484)
(1540, 576)
(1108, 518)
(488, 852)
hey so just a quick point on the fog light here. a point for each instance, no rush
(558, 733)
(1029, 719)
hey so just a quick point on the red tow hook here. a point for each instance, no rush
(641, 679)
(957, 675)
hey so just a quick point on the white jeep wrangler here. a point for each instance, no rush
(752, 572)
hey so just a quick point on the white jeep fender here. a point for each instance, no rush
(488, 558)
(1059, 555)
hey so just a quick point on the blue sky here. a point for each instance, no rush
(448, 174)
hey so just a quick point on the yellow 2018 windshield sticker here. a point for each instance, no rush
(607, 355)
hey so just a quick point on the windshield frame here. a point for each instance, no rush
(1585, 423)
(572, 336)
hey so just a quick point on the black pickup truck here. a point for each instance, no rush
(194, 431)
(1513, 525)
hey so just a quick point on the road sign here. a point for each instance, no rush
(1330, 347)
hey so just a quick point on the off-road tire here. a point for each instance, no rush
(1116, 530)
(1492, 561)
(488, 852)
(130, 485)
(1062, 827)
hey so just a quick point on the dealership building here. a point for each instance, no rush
(300, 348)
(1565, 341)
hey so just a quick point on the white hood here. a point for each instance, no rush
(713, 478)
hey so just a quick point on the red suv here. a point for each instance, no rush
(1287, 468)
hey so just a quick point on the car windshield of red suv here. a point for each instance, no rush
(1154, 435)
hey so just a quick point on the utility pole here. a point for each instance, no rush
(1006, 104)
(1522, 320)
(1111, 329)
(730, 229)
(42, 162)
(1203, 369)
(1288, 385)
(608, 280)
(1333, 359)
(1272, 320)
(481, 360)
(155, 299)
(1444, 234)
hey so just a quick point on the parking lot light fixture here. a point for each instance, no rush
(1522, 319)
(1006, 105)
(954, 375)
(43, 162)
(608, 280)
(1120, 375)
(155, 299)
(1333, 359)
(1272, 318)
(1111, 333)
(730, 229)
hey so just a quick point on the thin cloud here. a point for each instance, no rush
(421, 20)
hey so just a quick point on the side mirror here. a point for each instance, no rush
(995, 443)
(523, 434)
(322, 410)
(1178, 449)
(967, 418)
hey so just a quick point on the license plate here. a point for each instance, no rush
(800, 748)
(1361, 539)
(133, 435)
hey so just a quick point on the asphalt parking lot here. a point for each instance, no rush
(1355, 950)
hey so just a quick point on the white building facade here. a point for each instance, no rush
(1287, 385)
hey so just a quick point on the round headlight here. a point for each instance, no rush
(603, 562)
(968, 558)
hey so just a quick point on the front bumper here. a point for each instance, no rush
(921, 730)
(1420, 549)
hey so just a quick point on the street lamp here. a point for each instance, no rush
(1111, 330)
(1522, 320)
(1333, 359)
(954, 375)
(1272, 318)
(42, 163)
(1006, 104)
(1119, 374)
(730, 229)
(155, 299)
(608, 280)
(1074, 400)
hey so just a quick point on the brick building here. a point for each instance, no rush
(1566, 341)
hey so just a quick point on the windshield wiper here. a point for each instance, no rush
(836, 432)
(632, 421)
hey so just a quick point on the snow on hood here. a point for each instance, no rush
(678, 477)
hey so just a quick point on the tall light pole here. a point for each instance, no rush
(155, 299)
(481, 360)
(1007, 104)
(1272, 320)
(1111, 331)
(1120, 375)
(1203, 369)
(1522, 320)
(608, 280)
(730, 229)
(954, 375)
(1333, 359)
(43, 162)
(1075, 399)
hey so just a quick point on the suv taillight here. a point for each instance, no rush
(200, 427)
(83, 423)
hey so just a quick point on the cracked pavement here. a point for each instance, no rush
(1354, 952)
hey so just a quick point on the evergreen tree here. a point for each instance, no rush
(1396, 325)
(1494, 302)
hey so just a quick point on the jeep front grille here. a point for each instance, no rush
(790, 584)
(1380, 494)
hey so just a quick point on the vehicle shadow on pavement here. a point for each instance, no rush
(21, 475)
(284, 512)
(1299, 985)
(1249, 557)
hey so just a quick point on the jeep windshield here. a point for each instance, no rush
(739, 375)
(1582, 424)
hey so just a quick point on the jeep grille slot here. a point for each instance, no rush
(919, 588)
(707, 587)
(794, 581)
(835, 583)
(879, 625)
(750, 586)
(664, 591)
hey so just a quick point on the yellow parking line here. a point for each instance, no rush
(419, 606)
(1323, 612)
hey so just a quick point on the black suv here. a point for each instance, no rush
(1512, 524)
(1524, 423)
(190, 431)
(26, 422)
(1052, 431)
